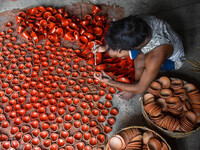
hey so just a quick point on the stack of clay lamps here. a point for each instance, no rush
(173, 104)
(49, 98)
(53, 24)
(137, 139)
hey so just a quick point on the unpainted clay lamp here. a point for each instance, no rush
(116, 143)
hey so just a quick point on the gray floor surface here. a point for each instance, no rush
(183, 15)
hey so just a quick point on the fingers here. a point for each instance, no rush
(105, 75)
(98, 76)
(98, 48)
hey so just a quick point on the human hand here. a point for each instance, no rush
(103, 77)
(98, 48)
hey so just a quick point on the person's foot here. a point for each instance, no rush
(124, 95)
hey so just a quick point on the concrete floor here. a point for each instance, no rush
(183, 15)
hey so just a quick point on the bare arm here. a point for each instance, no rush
(153, 63)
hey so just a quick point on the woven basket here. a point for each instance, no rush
(144, 129)
(166, 132)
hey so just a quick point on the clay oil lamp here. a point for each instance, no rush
(84, 74)
(64, 134)
(176, 84)
(68, 101)
(67, 126)
(95, 112)
(61, 142)
(188, 122)
(35, 141)
(27, 138)
(114, 111)
(18, 136)
(71, 109)
(153, 143)
(85, 120)
(101, 119)
(148, 98)
(69, 36)
(181, 93)
(101, 138)
(84, 128)
(150, 107)
(98, 31)
(105, 112)
(70, 140)
(35, 124)
(76, 101)
(43, 134)
(84, 89)
(155, 88)
(108, 104)
(165, 93)
(87, 112)
(100, 106)
(112, 90)
(88, 97)
(101, 93)
(86, 136)
(47, 143)
(73, 94)
(111, 121)
(36, 132)
(96, 98)
(84, 105)
(93, 141)
(71, 82)
(107, 129)
(83, 40)
(15, 144)
(77, 116)
(95, 131)
(54, 137)
(6, 145)
(190, 89)
(78, 136)
(80, 145)
(146, 136)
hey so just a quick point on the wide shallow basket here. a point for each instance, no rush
(141, 128)
(175, 134)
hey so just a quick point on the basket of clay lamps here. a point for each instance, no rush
(172, 106)
(136, 137)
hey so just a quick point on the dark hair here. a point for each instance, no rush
(127, 33)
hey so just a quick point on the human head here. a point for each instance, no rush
(127, 33)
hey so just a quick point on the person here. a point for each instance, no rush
(151, 42)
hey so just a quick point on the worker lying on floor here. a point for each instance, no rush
(153, 45)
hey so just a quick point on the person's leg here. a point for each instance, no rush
(139, 66)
